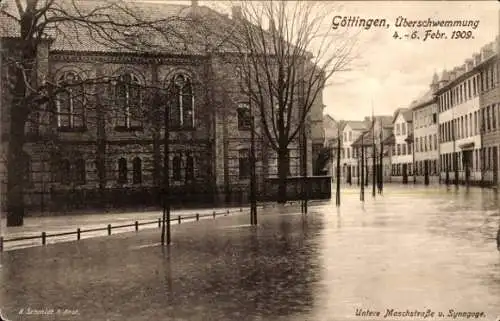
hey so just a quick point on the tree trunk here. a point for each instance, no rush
(283, 167)
(15, 169)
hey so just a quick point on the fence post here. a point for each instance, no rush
(179, 219)
(1, 244)
(44, 238)
(78, 234)
(241, 209)
(109, 229)
(136, 226)
(227, 211)
(214, 214)
(197, 216)
(159, 222)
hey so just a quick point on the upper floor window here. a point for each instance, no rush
(70, 102)
(182, 108)
(403, 129)
(128, 102)
(398, 129)
(244, 116)
(350, 136)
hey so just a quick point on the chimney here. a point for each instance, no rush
(236, 12)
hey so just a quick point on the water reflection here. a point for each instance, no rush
(432, 249)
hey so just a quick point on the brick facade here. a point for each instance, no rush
(109, 155)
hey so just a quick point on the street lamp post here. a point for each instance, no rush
(253, 158)
(166, 180)
(362, 195)
(337, 195)
(253, 183)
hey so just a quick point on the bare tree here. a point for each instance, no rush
(287, 66)
(32, 24)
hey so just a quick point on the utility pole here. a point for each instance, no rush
(253, 183)
(337, 199)
(166, 179)
(381, 172)
(253, 158)
(362, 195)
(374, 153)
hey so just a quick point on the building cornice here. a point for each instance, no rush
(132, 58)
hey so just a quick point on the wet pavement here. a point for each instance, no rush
(416, 248)
(88, 223)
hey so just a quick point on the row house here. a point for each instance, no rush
(373, 149)
(351, 131)
(489, 102)
(401, 153)
(425, 132)
(467, 110)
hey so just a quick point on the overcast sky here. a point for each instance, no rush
(392, 73)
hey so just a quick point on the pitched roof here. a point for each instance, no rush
(386, 120)
(404, 112)
(9, 26)
(356, 124)
(422, 100)
(408, 115)
(158, 27)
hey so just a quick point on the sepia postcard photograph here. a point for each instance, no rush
(185, 160)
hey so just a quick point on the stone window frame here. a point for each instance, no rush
(177, 87)
(244, 116)
(63, 80)
(136, 81)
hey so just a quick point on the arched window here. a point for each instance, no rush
(189, 167)
(244, 116)
(80, 172)
(122, 171)
(70, 102)
(27, 170)
(137, 171)
(128, 101)
(182, 109)
(65, 171)
(176, 168)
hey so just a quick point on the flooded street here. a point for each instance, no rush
(425, 250)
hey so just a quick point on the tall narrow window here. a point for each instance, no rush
(244, 163)
(137, 170)
(244, 116)
(182, 109)
(128, 98)
(80, 172)
(70, 102)
(493, 118)
(177, 168)
(122, 171)
(189, 167)
(27, 170)
(65, 171)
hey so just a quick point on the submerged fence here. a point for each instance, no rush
(44, 236)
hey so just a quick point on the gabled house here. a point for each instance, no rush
(402, 150)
